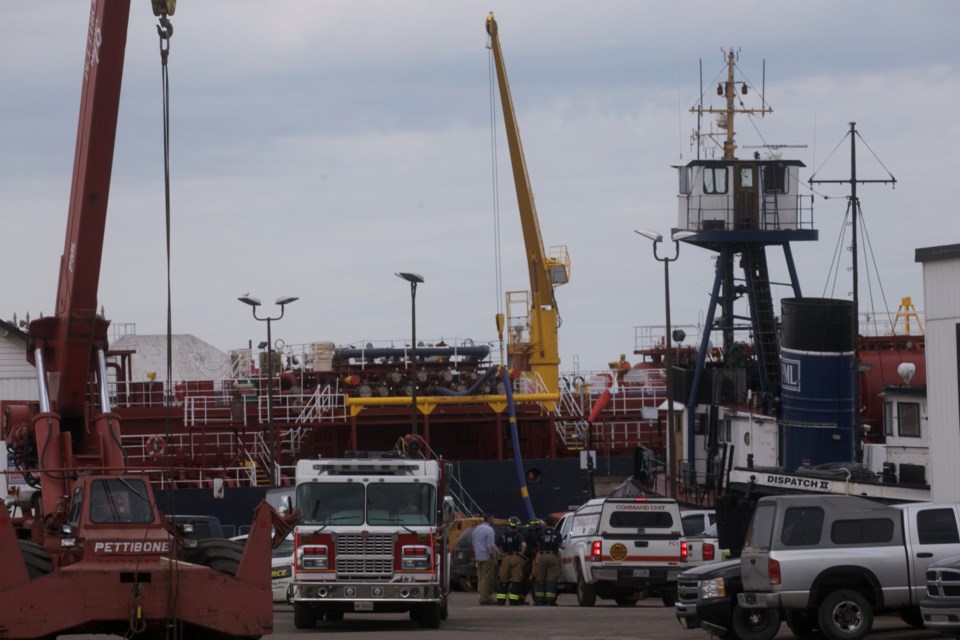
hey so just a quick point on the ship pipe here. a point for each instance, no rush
(478, 352)
(599, 406)
(397, 401)
(515, 438)
(489, 373)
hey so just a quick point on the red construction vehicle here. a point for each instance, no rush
(89, 552)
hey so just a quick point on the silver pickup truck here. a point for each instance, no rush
(828, 563)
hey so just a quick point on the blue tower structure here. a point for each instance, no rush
(740, 207)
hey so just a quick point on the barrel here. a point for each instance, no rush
(818, 419)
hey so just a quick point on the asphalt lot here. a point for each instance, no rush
(606, 621)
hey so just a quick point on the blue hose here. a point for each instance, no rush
(515, 438)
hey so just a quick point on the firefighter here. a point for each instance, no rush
(512, 545)
(547, 566)
(531, 537)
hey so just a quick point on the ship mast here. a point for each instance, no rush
(726, 114)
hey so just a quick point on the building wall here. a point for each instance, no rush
(18, 379)
(942, 307)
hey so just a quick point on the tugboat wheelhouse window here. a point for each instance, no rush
(686, 180)
(775, 179)
(908, 415)
(714, 179)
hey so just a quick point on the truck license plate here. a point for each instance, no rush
(363, 606)
(641, 573)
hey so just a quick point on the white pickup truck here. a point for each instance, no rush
(617, 547)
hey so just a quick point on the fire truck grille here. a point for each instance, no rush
(370, 555)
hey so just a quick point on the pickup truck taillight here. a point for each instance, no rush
(773, 571)
(709, 552)
(684, 551)
(596, 550)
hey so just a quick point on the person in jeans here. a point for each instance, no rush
(485, 552)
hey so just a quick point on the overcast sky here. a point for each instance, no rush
(318, 147)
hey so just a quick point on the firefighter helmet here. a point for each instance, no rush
(513, 522)
(535, 523)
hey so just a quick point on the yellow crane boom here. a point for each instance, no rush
(539, 350)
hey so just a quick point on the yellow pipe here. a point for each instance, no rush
(398, 401)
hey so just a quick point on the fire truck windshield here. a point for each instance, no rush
(336, 503)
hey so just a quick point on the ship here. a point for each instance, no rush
(800, 396)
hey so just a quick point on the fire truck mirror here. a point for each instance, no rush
(449, 510)
(286, 505)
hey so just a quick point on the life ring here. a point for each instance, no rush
(155, 447)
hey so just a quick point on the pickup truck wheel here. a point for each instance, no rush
(669, 597)
(586, 593)
(626, 601)
(845, 615)
(304, 617)
(755, 624)
(913, 617)
(803, 625)
(691, 623)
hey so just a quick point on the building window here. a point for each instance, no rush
(714, 179)
(908, 417)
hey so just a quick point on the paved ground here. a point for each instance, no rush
(649, 620)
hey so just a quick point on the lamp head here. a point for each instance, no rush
(682, 235)
(282, 300)
(250, 300)
(410, 277)
(649, 235)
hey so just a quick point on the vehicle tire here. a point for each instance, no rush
(755, 624)
(334, 616)
(36, 558)
(444, 611)
(586, 593)
(304, 616)
(220, 555)
(913, 617)
(845, 615)
(668, 597)
(626, 601)
(691, 623)
(429, 616)
(803, 625)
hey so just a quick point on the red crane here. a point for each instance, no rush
(90, 552)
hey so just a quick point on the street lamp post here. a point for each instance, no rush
(283, 301)
(668, 360)
(413, 279)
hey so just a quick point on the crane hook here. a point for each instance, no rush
(165, 28)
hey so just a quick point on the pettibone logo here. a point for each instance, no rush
(121, 548)
(618, 551)
(801, 483)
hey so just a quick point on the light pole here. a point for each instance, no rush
(668, 360)
(413, 279)
(283, 301)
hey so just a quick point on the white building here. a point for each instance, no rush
(941, 296)
(18, 378)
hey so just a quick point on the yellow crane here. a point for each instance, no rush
(532, 329)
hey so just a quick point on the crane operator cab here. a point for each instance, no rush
(116, 501)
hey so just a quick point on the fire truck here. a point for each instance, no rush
(85, 549)
(372, 537)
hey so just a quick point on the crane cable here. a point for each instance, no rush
(165, 31)
(495, 181)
